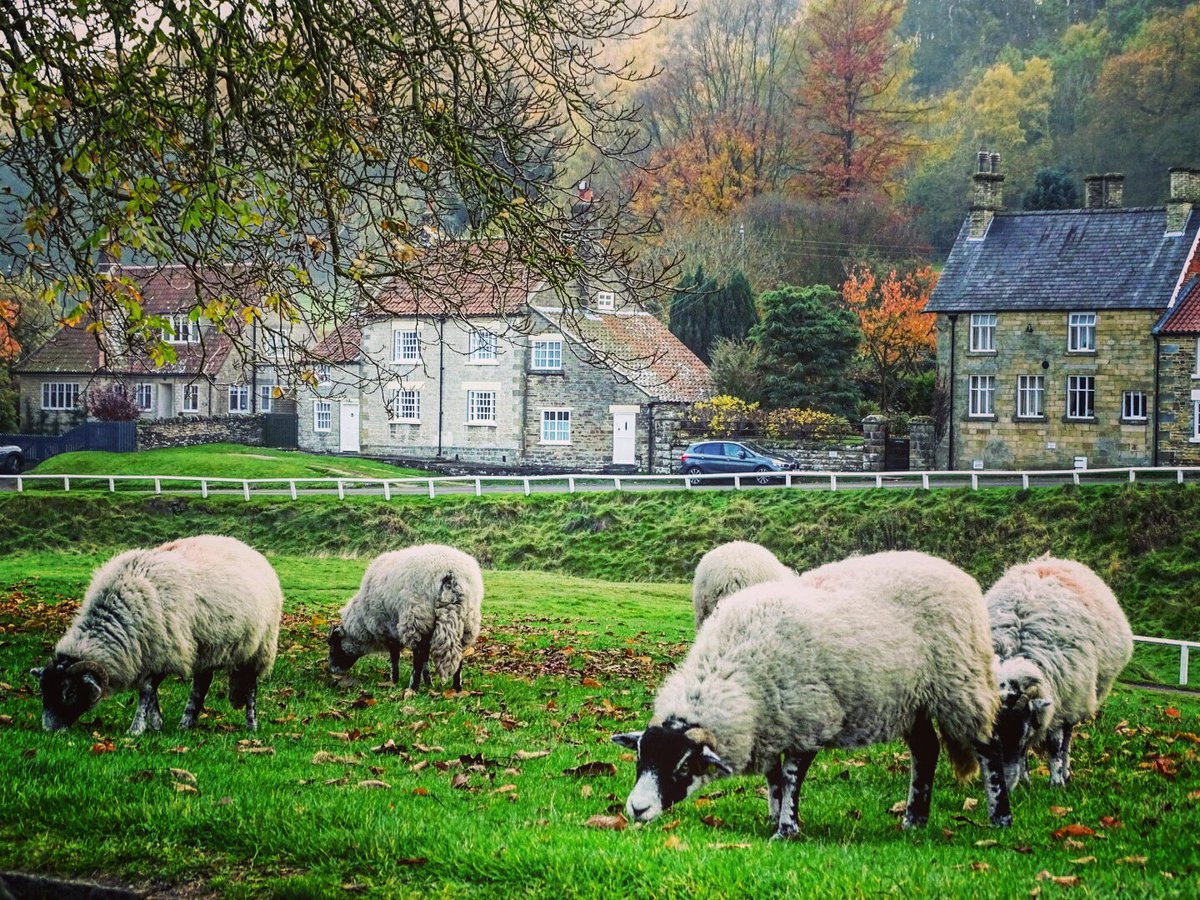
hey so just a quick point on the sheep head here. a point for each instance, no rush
(343, 651)
(70, 688)
(674, 759)
(1026, 709)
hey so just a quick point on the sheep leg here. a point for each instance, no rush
(393, 647)
(794, 768)
(201, 682)
(1058, 749)
(420, 662)
(774, 791)
(243, 691)
(148, 711)
(923, 746)
(991, 771)
(428, 679)
(458, 677)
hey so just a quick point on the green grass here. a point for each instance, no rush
(563, 663)
(216, 461)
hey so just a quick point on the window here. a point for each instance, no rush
(191, 398)
(265, 392)
(483, 347)
(239, 398)
(1031, 396)
(143, 397)
(1081, 397)
(547, 354)
(324, 374)
(1196, 420)
(481, 407)
(556, 426)
(322, 415)
(406, 406)
(406, 346)
(1081, 332)
(274, 345)
(182, 331)
(982, 395)
(606, 300)
(1133, 406)
(1196, 374)
(983, 332)
(60, 395)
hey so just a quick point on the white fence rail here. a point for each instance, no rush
(1184, 647)
(527, 484)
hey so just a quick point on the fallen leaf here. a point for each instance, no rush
(1072, 844)
(1064, 880)
(1192, 795)
(980, 867)
(412, 860)
(586, 791)
(182, 775)
(673, 843)
(105, 746)
(970, 803)
(524, 755)
(374, 784)
(264, 751)
(420, 792)
(1110, 822)
(185, 788)
(590, 769)
(505, 789)
(1171, 712)
(6, 720)
(324, 756)
(608, 823)
(713, 821)
(1059, 811)
(672, 825)
(730, 846)
(417, 767)
(590, 682)
(461, 780)
(1074, 830)
(1132, 861)
(987, 842)
(1083, 860)
(898, 808)
(180, 749)
(388, 747)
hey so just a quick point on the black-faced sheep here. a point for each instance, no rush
(427, 598)
(784, 669)
(1061, 640)
(187, 608)
(727, 569)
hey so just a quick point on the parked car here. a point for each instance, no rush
(11, 459)
(730, 457)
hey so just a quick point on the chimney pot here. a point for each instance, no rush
(982, 162)
(995, 159)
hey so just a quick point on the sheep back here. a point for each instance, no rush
(1063, 618)
(729, 568)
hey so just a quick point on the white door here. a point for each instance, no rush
(348, 429)
(624, 438)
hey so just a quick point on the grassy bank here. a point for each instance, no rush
(483, 794)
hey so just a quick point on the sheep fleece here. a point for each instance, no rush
(729, 568)
(790, 666)
(204, 602)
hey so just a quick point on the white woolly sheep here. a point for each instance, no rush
(187, 608)
(727, 569)
(784, 669)
(427, 598)
(1061, 640)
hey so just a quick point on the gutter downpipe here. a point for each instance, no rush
(950, 424)
(441, 322)
(1157, 405)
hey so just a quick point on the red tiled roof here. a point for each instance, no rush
(455, 278)
(1184, 316)
(342, 345)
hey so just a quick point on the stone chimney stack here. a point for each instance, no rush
(988, 193)
(1093, 191)
(1185, 193)
(1114, 190)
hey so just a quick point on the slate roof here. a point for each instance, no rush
(1184, 316)
(1066, 259)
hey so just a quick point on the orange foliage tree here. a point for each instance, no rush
(898, 336)
(9, 348)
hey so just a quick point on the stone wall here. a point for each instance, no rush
(922, 443)
(1179, 389)
(190, 431)
(1035, 343)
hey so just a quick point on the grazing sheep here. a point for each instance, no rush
(187, 608)
(427, 598)
(727, 569)
(1061, 640)
(784, 669)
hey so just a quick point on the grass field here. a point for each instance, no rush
(482, 794)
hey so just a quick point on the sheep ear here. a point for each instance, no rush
(715, 761)
(628, 739)
(38, 672)
(1037, 704)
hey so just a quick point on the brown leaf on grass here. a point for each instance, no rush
(1074, 830)
(1162, 765)
(969, 804)
(321, 757)
(608, 823)
(179, 749)
(591, 682)
(261, 751)
(505, 789)
(898, 808)
(673, 842)
(672, 825)
(713, 821)
(6, 720)
(1111, 823)
(181, 788)
(1059, 811)
(1072, 844)
(461, 781)
(420, 792)
(337, 782)
(105, 746)
(586, 791)
(1171, 712)
(182, 775)
(1083, 860)
(1132, 861)
(987, 842)
(374, 784)
(591, 769)
(701, 801)
(1064, 880)
(388, 748)
(1188, 736)
(1192, 796)
(628, 757)
(730, 846)
(980, 867)
(363, 701)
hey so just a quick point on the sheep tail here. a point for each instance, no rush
(962, 758)
(445, 646)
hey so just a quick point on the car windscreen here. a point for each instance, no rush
(760, 450)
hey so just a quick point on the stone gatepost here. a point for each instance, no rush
(922, 447)
(874, 443)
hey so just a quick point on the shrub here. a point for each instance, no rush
(111, 404)
(807, 423)
(723, 416)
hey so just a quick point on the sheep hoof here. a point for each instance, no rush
(1002, 821)
(786, 832)
(409, 693)
(914, 821)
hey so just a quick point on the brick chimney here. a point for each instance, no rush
(1185, 193)
(988, 193)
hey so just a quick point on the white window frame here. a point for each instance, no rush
(981, 396)
(190, 392)
(183, 330)
(556, 416)
(606, 301)
(406, 346)
(983, 333)
(324, 373)
(398, 398)
(1081, 332)
(477, 404)
(1196, 371)
(1196, 421)
(481, 346)
(322, 409)
(58, 396)
(1031, 396)
(1076, 387)
(548, 349)
(265, 392)
(1131, 402)
(143, 396)
(242, 394)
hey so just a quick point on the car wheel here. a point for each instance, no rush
(11, 464)
(762, 479)
(695, 470)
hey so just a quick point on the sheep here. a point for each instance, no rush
(727, 569)
(426, 597)
(186, 608)
(1061, 640)
(783, 669)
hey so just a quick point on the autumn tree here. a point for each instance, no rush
(9, 348)
(860, 121)
(898, 336)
